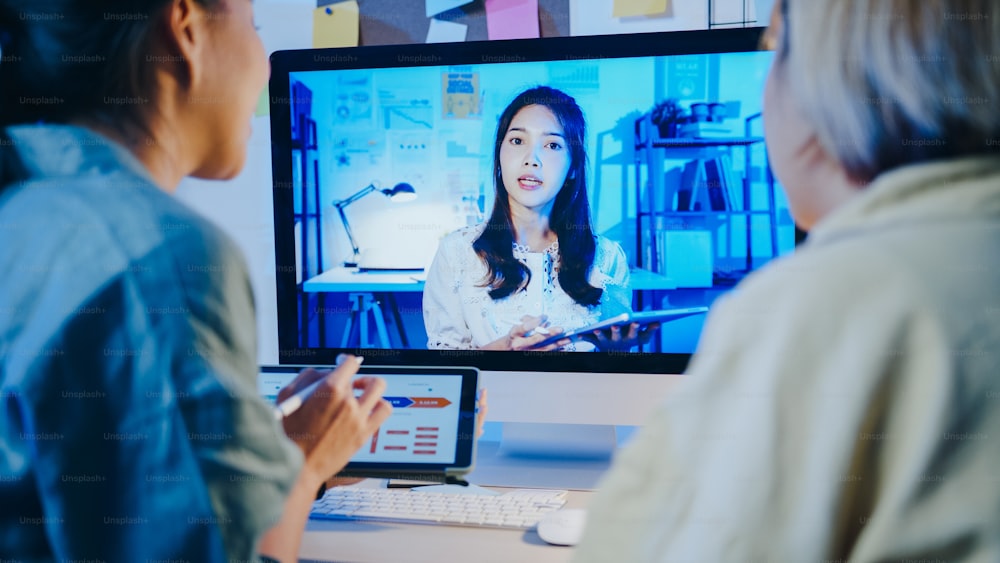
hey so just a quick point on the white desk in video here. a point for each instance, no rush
(350, 280)
(368, 289)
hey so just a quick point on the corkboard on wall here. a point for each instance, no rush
(393, 22)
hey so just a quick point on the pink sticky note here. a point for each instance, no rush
(512, 19)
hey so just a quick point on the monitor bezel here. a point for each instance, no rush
(452, 54)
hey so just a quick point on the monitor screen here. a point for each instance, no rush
(387, 163)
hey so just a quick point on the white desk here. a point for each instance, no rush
(347, 280)
(383, 542)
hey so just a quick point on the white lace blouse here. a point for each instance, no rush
(460, 314)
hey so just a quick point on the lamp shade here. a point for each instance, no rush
(401, 192)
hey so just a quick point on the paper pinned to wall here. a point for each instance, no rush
(435, 7)
(733, 13)
(442, 31)
(512, 19)
(593, 17)
(336, 25)
(284, 24)
(629, 8)
(460, 95)
(263, 104)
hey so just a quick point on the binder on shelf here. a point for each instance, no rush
(703, 187)
(715, 186)
(734, 183)
(690, 177)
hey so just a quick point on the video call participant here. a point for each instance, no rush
(535, 267)
(130, 424)
(844, 402)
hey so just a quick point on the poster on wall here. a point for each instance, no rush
(460, 98)
(687, 77)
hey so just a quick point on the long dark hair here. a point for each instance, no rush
(570, 218)
(65, 59)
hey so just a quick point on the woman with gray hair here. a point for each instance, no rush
(844, 404)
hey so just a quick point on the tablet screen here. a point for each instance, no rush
(432, 424)
(423, 427)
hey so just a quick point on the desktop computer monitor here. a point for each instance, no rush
(378, 153)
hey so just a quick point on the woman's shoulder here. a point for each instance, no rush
(607, 245)
(608, 251)
(834, 281)
(100, 188)
(463, 238)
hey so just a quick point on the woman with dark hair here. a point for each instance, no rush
(535, 267)
(130, 424)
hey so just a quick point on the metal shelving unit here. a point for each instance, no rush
(307, 212)
(654, 208)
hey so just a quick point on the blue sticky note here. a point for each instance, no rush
(435, 7)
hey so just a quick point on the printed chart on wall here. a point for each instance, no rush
(423, 427)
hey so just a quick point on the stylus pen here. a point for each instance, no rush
(292, 404)
(537, 330)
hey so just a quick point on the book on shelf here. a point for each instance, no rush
(689, 180)
(715, 184)
(710, 184)
(703, 187)
(734, 183)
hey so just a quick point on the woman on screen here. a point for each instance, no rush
(535, 267)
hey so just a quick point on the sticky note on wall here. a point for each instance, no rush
(441, 31)
(336, 25)
(512, 19)
(435, 7)
(628, 8)
(284, 24)
(263, 104)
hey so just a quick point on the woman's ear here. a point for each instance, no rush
(186, 33)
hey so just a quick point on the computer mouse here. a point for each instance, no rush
(562, 527)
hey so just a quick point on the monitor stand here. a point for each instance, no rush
(583, 442)
(543, 455)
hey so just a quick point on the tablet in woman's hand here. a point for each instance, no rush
(642, 318)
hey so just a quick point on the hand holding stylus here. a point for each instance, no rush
(322, 415)
(531, 331)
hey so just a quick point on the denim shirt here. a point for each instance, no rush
(130, 424)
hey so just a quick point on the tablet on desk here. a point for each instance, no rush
(430, 435)
(643, 318)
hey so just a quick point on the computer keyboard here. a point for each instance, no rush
(518, 509)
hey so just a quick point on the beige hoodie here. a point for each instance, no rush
(844, 403)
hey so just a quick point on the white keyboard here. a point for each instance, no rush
(518, 509)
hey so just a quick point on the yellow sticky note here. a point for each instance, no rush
(263, 104)
(627, 8)
(336, 25)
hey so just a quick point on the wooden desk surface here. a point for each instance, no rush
(386, 542)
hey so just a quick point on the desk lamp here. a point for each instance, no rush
(399, 193)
